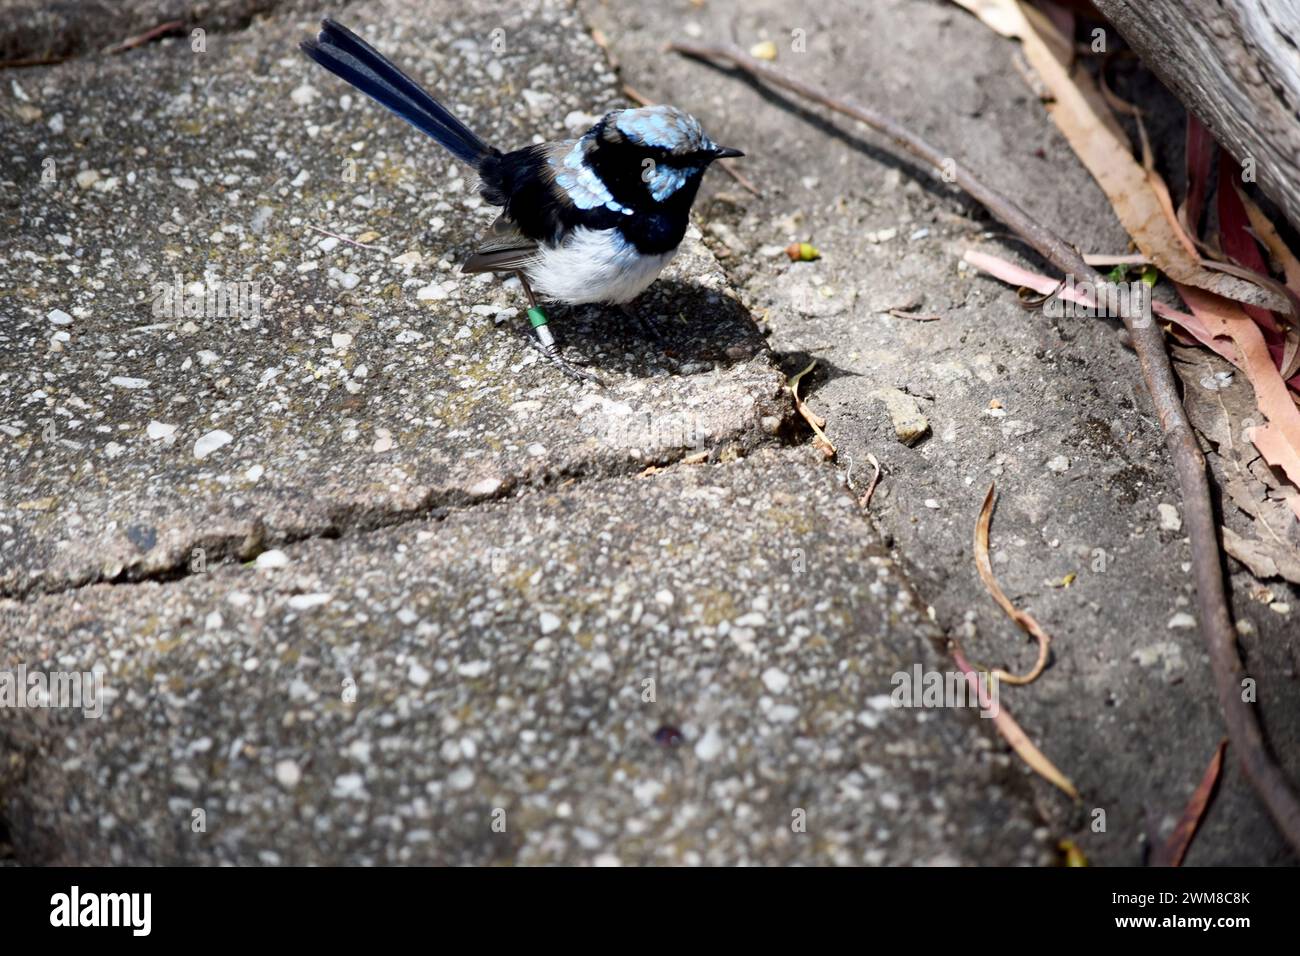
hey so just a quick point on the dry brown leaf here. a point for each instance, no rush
(1175, 848)
(1279, 453)
(1221, 413)
(1011, 732)
(1088, 124)
(1276, 246)
(1161, 191)
(1200, 148)
(865, 500)
(1071, 855)
(1022, 618)
(1264, 559)
(1279, 440)
(820, 440)
(1249, 492)
(1003, 17)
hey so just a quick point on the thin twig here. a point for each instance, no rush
(341, 238)
(1100, 259)
(32, 61)
(739, 177)
(633, 94)
(865, 500)
(602, 41)
(1189, 463)
(135, 41)
(914, 316)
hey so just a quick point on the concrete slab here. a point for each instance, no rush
(690, 667)
(327, 386)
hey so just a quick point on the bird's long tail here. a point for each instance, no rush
(348, 56)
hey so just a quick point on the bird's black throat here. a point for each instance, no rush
(654, 226)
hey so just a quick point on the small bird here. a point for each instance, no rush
(587, 220)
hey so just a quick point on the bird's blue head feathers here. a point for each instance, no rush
(659, 127)
(655, 150)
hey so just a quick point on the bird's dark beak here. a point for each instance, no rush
(726, 152)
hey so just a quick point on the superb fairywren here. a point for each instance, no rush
(588, 220)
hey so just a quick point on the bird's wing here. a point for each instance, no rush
(503, 249)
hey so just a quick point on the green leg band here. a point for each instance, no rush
(541, 326)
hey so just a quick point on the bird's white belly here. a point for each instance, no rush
(594, 265)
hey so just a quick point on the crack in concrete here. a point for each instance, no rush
(345, 520)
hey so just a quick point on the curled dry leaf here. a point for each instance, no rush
(1023, 619)
(1011, 732)
(824, 444)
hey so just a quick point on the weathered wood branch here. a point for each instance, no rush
(1236, 65)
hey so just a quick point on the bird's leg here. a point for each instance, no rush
(651, 331)
(544, 342)
(648, 328)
